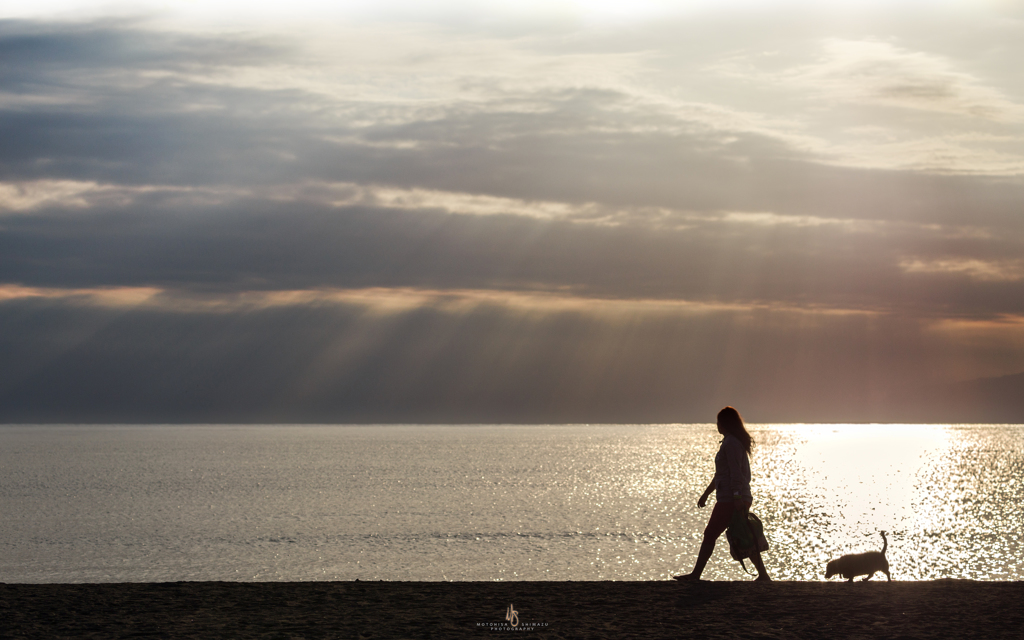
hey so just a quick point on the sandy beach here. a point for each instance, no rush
(938, 609)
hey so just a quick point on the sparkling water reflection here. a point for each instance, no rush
(942, 492)
(574, 502)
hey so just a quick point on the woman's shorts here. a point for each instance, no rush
(721, 516)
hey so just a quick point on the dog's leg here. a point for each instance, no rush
(851, 579)
(887, 576)
(868, 577)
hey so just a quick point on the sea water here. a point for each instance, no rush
(557, 502)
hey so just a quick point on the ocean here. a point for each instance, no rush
(153, 503)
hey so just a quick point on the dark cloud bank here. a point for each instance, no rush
(756, 345)
(337, 363)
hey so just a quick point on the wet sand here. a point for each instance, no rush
(939, 609)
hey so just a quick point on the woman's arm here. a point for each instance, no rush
(707, 492)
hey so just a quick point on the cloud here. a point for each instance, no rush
(880, 73)
(874, 104)
(533, 143)
(34, 195)
(939, 155)
(35, 49)
(481, 359)
(387, 301)
(251, 244)
(454, 222)
(106, 297)
(982, 270)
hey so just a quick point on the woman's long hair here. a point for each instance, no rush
(731, 423)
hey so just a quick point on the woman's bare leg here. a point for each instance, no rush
(707, 547)
(762, 573)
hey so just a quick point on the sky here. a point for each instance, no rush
(426, 212)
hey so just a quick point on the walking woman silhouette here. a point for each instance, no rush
(731, 485)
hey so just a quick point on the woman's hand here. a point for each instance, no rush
(703, 501)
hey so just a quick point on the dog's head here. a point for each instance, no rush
(831, 569)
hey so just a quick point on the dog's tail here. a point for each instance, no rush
(885, 542)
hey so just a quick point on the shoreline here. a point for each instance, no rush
(934, 609)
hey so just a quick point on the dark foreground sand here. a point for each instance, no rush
(941, 609)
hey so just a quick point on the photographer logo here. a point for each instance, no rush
(512, 623)
(512, 616)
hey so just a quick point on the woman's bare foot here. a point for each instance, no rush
(764, 578)
(687, 577)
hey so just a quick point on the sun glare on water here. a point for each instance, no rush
(863, 470)
(830, 490)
